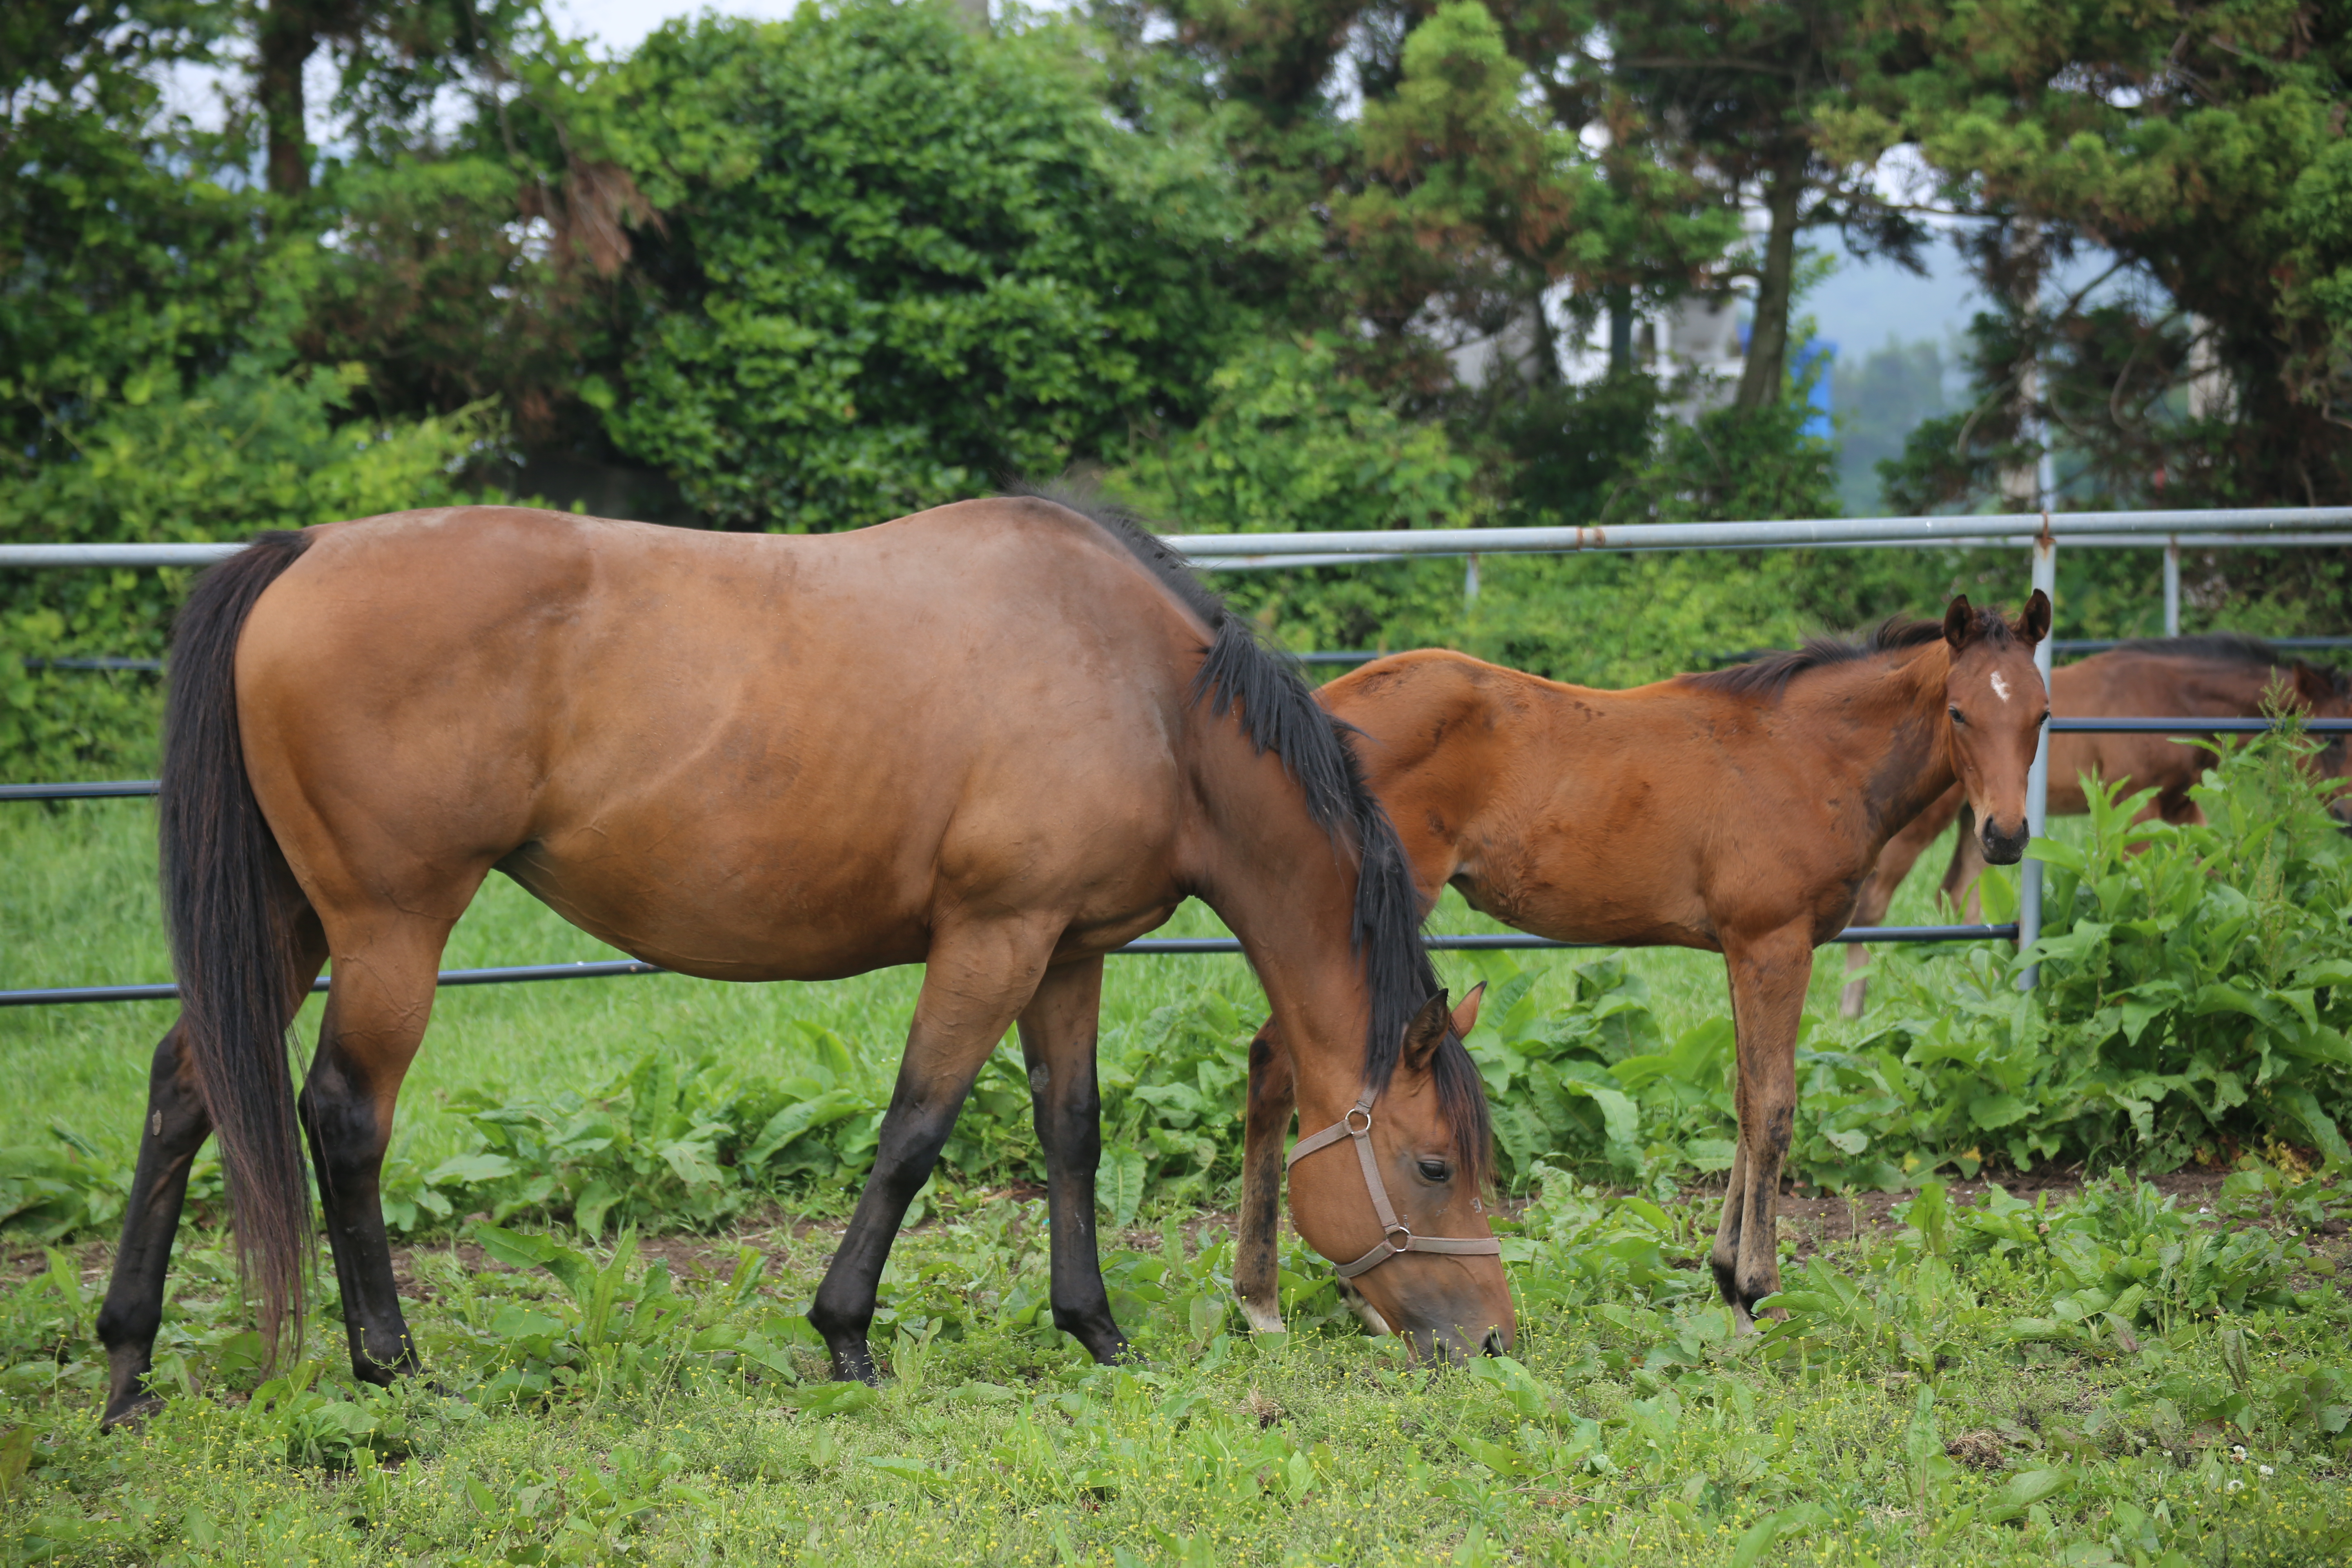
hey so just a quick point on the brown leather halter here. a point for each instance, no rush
(1391, 1227)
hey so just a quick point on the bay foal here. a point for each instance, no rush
(1737, 811)
(998, 739)
(2219, 677)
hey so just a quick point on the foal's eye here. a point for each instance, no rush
(1434, 1171)
(1958, 717)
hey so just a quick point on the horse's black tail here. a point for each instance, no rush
(232, 930)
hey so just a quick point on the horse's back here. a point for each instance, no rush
(711, 747)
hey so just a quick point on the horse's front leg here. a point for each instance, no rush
(1272, 1099)
(1769, 976)
(1057, 1038)
(976, 981)
(1878, 889)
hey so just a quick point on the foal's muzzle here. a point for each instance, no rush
(2004, 846)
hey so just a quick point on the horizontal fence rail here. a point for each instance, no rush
(2102, 645)
(1147, 948)
(115, 789)
(2212, 526)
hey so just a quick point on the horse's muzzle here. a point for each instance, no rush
(2004, 846)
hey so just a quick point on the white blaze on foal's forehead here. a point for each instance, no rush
(1999, 687)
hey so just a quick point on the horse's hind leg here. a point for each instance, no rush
(177, 1125)
(975, 983)
(1769, 976)
(377, 1006)
(1057, 1038)
(1272, 1099)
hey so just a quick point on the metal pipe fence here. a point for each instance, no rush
(2288, 526)
(1147, 948)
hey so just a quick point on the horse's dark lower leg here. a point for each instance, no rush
(176, 1128)
(974, 984)
(376, 1012)
(1272, 1099)
(1058, 1038)
(341, 1113)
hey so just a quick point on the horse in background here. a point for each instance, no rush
(998, 739)
(2213, 676)
(1737, 812)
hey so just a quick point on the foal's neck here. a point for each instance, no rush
(1892, 727)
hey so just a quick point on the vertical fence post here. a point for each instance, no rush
(2172, 587)
(2037, 780)
(1469, 580)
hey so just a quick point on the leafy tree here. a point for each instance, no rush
(1291, 441)
(895, 262)
(2201, 147)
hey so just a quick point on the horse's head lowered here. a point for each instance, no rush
(1387, 1191)
(2322, 694)
(1997, 703)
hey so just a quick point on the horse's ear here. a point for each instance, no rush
(1425, 1034)
(1959, 623)
(1465, 1016)
(2035, 624)
(2317, 688)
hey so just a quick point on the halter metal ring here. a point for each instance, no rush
(1348, 1121)
(1391, 1234)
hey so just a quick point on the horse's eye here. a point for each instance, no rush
(2045, 716)
(1958, 717)
(1434, 1171)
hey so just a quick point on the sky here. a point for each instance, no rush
(617, 24)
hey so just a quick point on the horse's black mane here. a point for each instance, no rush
(1768, 677)
(2236, 647)
(1279, 712)
(2228, 647)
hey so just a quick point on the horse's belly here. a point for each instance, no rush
(735, 922)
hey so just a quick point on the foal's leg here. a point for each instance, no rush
(1057, 1038)
(1878, 889)
(177, 1126)
(1272, 1099)
(381, 996)
(1769, 976)
(974, 984)
(1960, 889)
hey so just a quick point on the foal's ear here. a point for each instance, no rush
(1959, 623)
(1425, 1034)
(1465, 1016)
(2035, 624)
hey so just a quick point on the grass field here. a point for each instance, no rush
(1992, 1386)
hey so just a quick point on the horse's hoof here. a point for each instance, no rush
(856, 1366)
(132, 1416)
(1262, 1319)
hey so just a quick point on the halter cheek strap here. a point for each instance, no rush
(1395, 1235)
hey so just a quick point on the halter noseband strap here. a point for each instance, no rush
(1395, 1235)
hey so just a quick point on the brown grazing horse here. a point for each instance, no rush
(998, 739)
(1737, 811)
(2219, 677)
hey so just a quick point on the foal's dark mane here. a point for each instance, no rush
(1280, 714)
(1768, 677)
